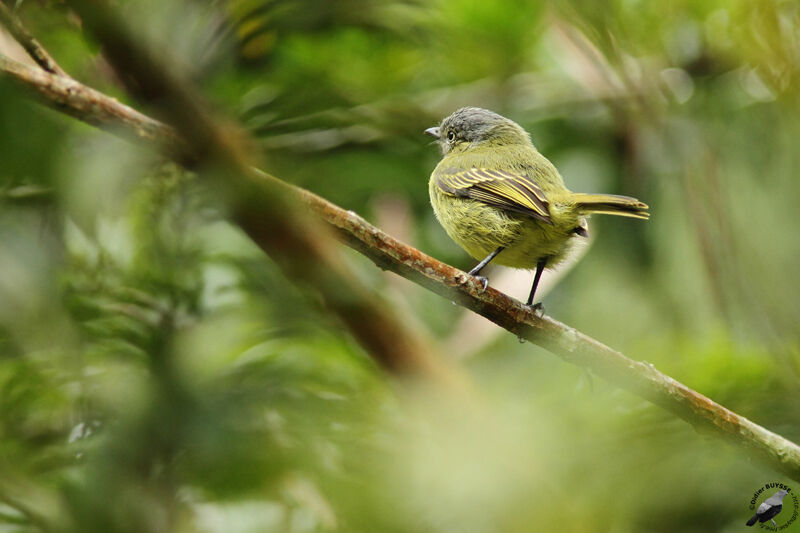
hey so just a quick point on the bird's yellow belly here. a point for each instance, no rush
(480, 229)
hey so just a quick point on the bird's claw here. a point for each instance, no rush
(538, 309)
(484, 282)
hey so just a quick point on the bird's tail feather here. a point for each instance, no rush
(611, 204)
(753, 520)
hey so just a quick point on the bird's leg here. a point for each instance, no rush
(475, 271)
(773, 522)
(539, 269)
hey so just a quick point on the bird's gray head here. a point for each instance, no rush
(471, 127)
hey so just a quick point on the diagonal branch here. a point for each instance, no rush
(641, 378)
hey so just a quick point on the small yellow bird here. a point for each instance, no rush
(498, 198)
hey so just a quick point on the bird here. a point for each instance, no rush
(769, 509)
(501, 200)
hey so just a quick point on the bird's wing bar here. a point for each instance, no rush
(507, 190)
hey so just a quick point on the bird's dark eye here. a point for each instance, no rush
(451, 135)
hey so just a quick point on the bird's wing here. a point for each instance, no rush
(763, 508)
(771, 512)
(507, 190)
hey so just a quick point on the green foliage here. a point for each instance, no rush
(158, 373)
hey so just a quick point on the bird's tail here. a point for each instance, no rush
(753, 520)
(610, 204)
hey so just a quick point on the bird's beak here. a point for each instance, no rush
(433, 132)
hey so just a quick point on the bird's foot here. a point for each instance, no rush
(484, 281)
(538, 309)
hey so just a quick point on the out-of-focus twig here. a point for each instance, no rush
(641, 378)
(28, 42)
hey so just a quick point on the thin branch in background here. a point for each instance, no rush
(702, 190)
(28, 42)
(641, 378)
